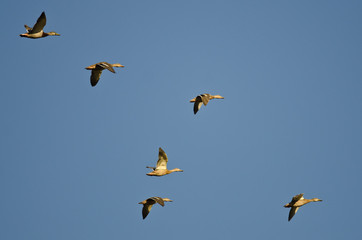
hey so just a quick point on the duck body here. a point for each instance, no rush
(37, 30)
(203, 99)
(296, 202)
(33, 35)
(149, 202)
(98, 68)
(163, 172)
(161, 167)
(40, 34)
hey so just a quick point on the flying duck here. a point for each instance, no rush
(297, 202)
(37, 30)
(147, 204)
(98, 68)
(161, 167)
(203, 99)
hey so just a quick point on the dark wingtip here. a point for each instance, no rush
(93, 84)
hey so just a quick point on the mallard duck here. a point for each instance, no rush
(98, 68)
(297, 202)
(147, 204)
(161, 167)
(37, 30)
(203, 99)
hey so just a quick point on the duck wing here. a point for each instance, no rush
(146, 210)
(292, 212)
(162, 159)
(94, 78)
(205, 98)
(197, 104)
(159, 201)
(296, 198)
(28, 29)
(40, 23)
(105, 65)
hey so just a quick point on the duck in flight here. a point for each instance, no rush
(161, 167)
(297, 202)
(203, 99)
(37, 30)
(98, 68)
(148, 203)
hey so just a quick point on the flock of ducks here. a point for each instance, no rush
(161, 167)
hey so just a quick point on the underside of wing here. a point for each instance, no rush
(40, 23)
(96, 74)
(146, 210)
(197, 104)
(162, 159)
(292, 212)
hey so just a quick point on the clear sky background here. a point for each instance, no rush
(73, 157)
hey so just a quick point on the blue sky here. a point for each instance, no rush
(73, 157)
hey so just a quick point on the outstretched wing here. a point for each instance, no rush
(146, 210)
(205, 98)
(296, 198)
(292, 212)
(158, 200)
(105, 65)
(40, 23)
(162, 159)
(197, 104)
(28, 29)
(94, 78)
